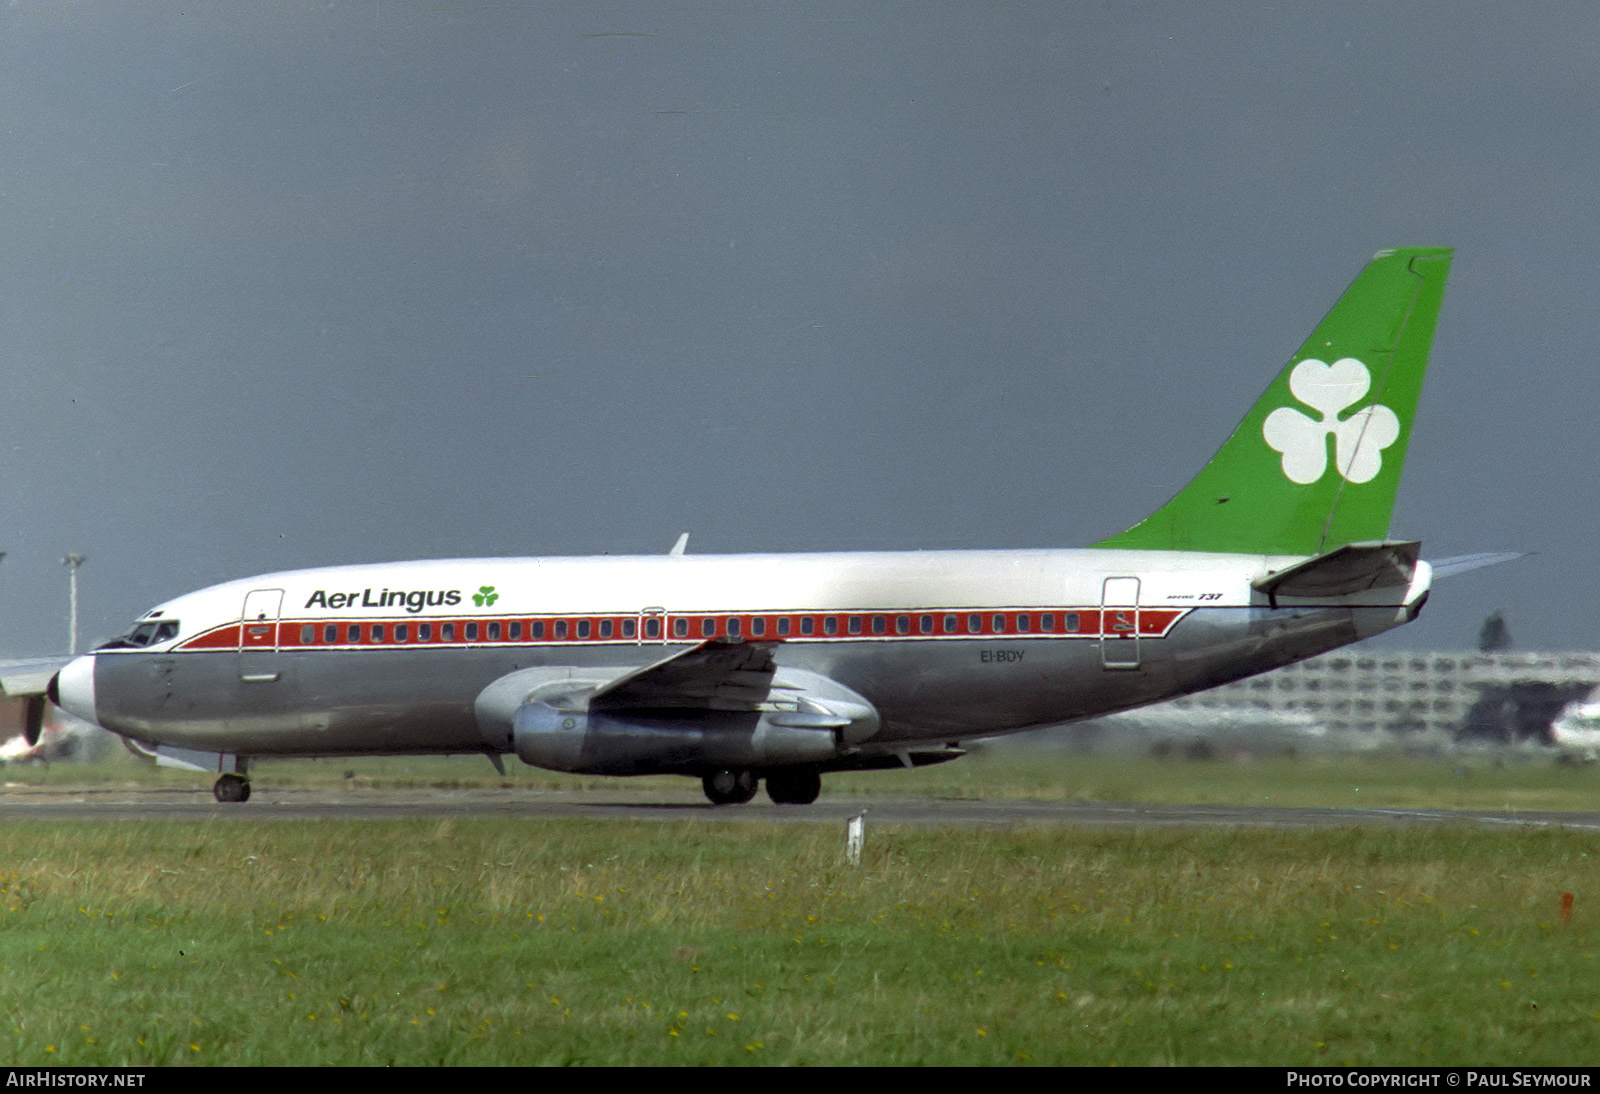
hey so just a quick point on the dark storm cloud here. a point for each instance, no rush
(301, 284)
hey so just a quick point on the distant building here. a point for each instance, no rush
(1493, 698)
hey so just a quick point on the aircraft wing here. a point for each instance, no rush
(27, 676)
(719, 674)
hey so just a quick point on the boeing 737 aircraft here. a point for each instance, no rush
(740, 668)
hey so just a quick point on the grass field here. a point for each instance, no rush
(508, 941)
(546, 941)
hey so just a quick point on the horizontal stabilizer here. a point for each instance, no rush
(1460, 564)
(1353, 568)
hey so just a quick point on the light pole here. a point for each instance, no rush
(72, 562)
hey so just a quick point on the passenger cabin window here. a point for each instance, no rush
(377, 632)
(537, 630)
(951, 624)
(308, 633)
(1072, 621)
(447, 632)
(708, 628)
(879, 624)
(561, 628)
(630, 627)
(401, 632)
(330, 633)
(974, 624)
(680, 628)
(999, 622)
(733, 628)
(1022, 624)
(830, 625)
(652, 627)
(516, 630)
(925, 624)
(352, 633)
(783, 627)
(855, 624)
(472, 632)
(583, 628)
(605, 628)
(758, 626)
(1047, 622)
(494, 631)
(424, 632)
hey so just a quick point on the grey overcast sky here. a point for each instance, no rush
(293, 284)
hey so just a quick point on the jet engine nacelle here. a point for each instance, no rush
(603, 743)
(545, 717)
(561, 688)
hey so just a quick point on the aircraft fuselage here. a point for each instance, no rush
(944, 645)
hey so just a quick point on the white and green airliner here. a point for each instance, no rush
(738, 669)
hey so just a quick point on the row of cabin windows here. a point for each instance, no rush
(807, 625)
(493, 631)
(783, 626)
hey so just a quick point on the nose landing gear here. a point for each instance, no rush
(232, 788)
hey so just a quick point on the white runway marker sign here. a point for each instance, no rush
(854, 835)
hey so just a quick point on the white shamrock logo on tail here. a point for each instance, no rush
(1359, 440)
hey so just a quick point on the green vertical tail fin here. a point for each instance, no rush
(1317, 461)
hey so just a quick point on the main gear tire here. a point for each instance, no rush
(793, 787)
(730, 786)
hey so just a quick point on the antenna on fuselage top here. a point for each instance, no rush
(678, 547)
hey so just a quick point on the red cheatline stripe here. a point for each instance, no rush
(1010, 624)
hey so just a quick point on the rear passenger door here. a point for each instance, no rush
(1119, 623)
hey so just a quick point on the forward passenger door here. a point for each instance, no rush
(258, 636)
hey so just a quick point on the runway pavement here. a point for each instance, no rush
(21, 803)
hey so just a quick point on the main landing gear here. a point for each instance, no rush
(735, 786)
(794, 787)
(730, 787)
(232, 788)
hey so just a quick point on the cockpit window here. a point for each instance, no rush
(151, 632)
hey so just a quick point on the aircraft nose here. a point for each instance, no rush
(73, 688)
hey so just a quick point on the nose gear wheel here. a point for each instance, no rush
(232, 788)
